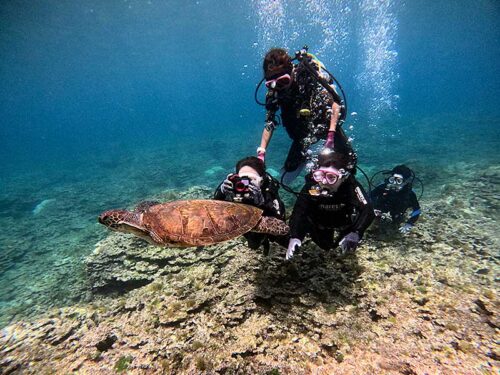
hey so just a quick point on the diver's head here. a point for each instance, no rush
(400, 177)
(331, 171)
(278, 69)
(253, 168)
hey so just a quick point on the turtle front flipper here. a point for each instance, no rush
(271, 225)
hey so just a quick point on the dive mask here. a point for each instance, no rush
(396, 182)
(279, 82)
(326, 175)
(329, 179)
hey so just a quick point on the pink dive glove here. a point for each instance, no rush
(261, 153)
(329, 139)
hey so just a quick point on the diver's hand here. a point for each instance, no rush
(293, 245)
(350, 242)
(385, 216)
(261, 153)
(227, 185)
(329, 139)
(377, 213)
(405, 229)
(256, 196)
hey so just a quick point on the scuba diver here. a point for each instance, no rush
(332, 200)
(251, 184)
(311, 109)
(394, 196)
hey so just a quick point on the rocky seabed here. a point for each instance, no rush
(421, 304)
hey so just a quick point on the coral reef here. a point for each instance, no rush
(423, 303)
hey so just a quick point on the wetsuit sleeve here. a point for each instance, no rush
(220, 196)
(360, 200)
(271, 109)
(376, 193)
(416, 208)
(298, 220)
(341, 141)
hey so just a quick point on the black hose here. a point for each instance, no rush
(341, 90)
(256, 92)
(373, 177)
(421, 185)
(288, 188)
(367, 179)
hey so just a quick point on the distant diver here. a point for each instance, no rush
(311, 108)
(395, 196)
(252, 185)
(332, 200)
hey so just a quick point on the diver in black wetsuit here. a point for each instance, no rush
(309, 111)
(330, 201)
(252, 185)
(395, 196)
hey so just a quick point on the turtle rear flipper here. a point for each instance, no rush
(271, 225)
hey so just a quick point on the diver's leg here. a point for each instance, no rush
(267, 246)
(294, 163)
(254, 240)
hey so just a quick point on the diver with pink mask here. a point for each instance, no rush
(310, 109)
(332, 202)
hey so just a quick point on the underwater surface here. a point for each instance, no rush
(106, 104)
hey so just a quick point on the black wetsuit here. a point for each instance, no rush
(347, 210)
(396, 203)
(272, 206)
(305, 93)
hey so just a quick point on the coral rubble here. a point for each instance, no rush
(424, 303)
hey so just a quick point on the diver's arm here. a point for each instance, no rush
(376, 193)
(298, 221)
(334, 118)
(366, 214)
(218, 194)
(269, 126)
(416, 209)
(224, 191)
(267, 134)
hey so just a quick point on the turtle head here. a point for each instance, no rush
(122, 221)
(114, 219)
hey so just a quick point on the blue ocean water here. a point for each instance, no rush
(108, 103)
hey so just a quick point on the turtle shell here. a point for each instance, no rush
(198, 222)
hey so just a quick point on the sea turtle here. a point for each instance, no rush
(187, 223)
